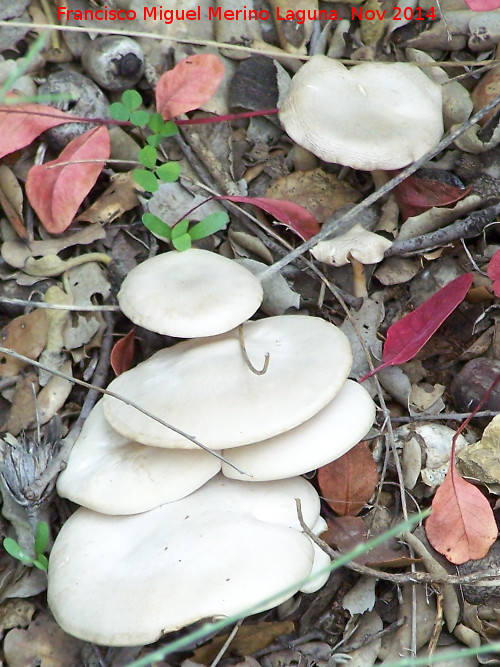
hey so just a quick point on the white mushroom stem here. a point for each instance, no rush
(244, 352)
(359, 278)
(380, 178)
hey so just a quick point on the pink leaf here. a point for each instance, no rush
(56, 189)
(462, 526)
(483, 5)
(416, 195)
(22, 124)
(188, 85)
(494, 272)
(408, 336)
(292, 215)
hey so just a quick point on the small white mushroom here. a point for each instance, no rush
(357, 246)
(122, 581)
(358, 243)
(113, 475)
(205, 387)
(372, 116)
(325, 437)
(189, 294)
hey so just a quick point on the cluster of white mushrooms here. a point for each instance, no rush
(168, 534)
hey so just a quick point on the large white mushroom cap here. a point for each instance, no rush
(113, 475)
(325, 437)
(372, 116)
(126, 580)
(205, 388)
(189, 294)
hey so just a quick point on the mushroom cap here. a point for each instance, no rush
(358, 243)
(189, 294)
(113, 475)
(123, 581)
(329, 434)
(319, 573)
(205, 388)
(372, 116)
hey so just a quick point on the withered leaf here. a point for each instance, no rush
(349, 482)
(248, 639)
(317, 191)
(120, 196)
(346, 532)
(22, 412)
(11, 200)
(26, 335)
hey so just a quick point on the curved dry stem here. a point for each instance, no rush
(247, 358)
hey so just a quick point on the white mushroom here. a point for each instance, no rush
(358, 243)
(189, 294)
(323, 438)
(372, 116)
(122, 581)
(357, 246)
(113, 475)
(205, 387)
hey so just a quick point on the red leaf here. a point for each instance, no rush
(416, 195)
(483, 5)
(56, 193)
(122, 354)
(349, 482)
(408, 336)
(22, 124)
(189, 84)
(462, 526)
(292, 215)
(494, 272)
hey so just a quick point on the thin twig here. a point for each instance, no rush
(57, 306)
(475, 578)
(465, 228)
(123, 399)
(454, 416)
(226, 644)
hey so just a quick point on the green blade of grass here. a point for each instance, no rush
(21, 67)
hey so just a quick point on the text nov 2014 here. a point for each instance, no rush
(298, 16)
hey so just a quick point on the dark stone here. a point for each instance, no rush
(473, 381)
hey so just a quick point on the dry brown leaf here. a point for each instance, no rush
(22, 412)
(15, 613)
(317, 191)
(53, 396)
(25, 335)
(248, 639)
(349, 482)
(11, 200)
(346, 532)
(44, 644)
(16, 253)
(120, 196)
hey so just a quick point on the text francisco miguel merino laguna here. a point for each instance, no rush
(299, 15)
